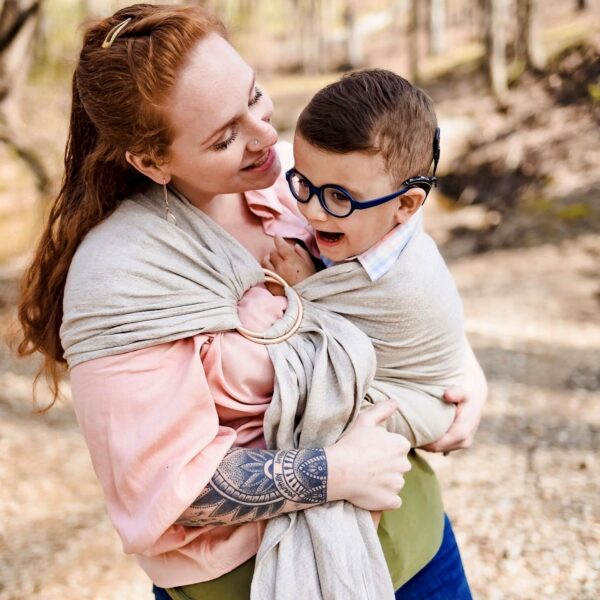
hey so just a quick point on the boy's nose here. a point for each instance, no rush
(313, 210)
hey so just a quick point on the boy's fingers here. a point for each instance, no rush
(302, 253)
(267, 264)
(275, 257)
(282, 246)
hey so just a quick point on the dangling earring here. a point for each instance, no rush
(168, 214)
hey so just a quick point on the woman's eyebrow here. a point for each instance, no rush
(233, 119)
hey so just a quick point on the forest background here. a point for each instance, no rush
(517, 215)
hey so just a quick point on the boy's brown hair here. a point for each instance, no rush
(374, 111)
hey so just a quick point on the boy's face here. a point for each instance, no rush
(365, 177)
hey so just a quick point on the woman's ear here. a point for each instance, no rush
(146, 166)
(409, 203)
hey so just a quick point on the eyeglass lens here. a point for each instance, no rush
(336, 202)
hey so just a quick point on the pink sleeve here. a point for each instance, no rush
(152, 429)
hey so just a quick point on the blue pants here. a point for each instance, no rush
(443, 578)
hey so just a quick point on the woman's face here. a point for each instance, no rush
(221, 118)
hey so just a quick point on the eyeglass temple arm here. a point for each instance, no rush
(436, 151)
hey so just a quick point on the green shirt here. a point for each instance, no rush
(410, 536)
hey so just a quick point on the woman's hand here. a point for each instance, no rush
(469, 406)
(367, 464)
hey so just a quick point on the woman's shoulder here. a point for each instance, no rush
(110, 241)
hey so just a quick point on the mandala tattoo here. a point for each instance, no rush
(255, 484)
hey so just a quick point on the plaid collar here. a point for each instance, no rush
(380, 257)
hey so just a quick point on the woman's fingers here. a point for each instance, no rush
(455, 395)
(368, 463)
(378, 414)
(460, 435)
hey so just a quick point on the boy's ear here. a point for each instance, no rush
(146, 166)
(409, 203)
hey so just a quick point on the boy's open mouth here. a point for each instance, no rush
(329, 238)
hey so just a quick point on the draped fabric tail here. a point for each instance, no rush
(329, 551)
(295, 545)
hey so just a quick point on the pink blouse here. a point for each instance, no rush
(159, 421)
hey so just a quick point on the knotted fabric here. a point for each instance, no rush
(139, 280)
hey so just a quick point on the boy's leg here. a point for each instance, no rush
(443, 578)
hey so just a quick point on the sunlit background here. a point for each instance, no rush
(517, 215)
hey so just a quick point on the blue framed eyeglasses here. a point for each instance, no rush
(338, 201)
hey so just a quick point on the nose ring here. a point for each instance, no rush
(255, 142)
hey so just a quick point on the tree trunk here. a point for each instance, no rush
(582, 4)
(495, 47)
(529, 49)
(437, 26)
(413, 42)
(98, 8)
(354, 48)
(311, 35)
(17, 30)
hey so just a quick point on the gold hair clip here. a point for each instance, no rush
(113, 33)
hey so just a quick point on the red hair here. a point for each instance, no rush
(118, 99)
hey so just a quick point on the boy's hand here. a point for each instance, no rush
(292, 262)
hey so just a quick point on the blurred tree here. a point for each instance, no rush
(437, 26)
(310, 28)
(494, 15)
(413, 41)
(354, 47)
(582, 4)
(528, 48)
(98, 8)
(18, 20)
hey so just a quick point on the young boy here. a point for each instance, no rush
(362, 148)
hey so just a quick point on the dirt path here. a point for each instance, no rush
(524, 500)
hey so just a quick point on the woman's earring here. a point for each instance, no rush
(168, 214)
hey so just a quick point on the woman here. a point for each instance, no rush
(172, 410)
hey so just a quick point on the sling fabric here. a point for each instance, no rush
(413, 315)
(139, 280)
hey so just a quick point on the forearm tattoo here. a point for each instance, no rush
(250, 485)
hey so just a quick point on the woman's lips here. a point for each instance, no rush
(328, 238)
(264, 163)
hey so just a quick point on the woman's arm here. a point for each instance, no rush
(365, 467)
(251, 484)
(161, 455)
(469, 407)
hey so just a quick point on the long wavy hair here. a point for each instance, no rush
(118, 99)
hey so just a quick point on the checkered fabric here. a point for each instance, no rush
(380, 257)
